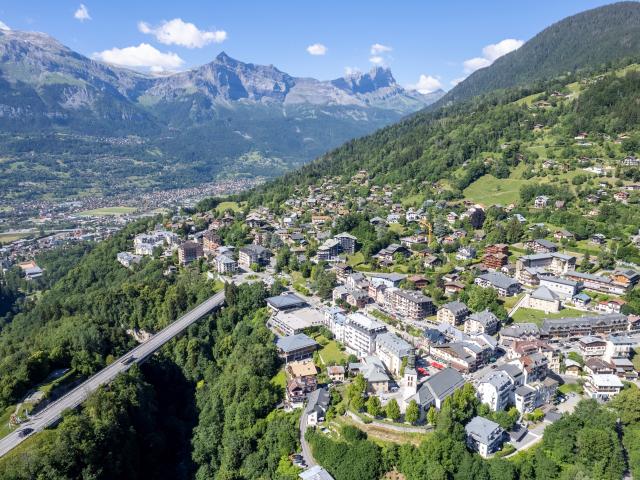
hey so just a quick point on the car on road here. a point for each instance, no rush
(128, 360)
(25, 432)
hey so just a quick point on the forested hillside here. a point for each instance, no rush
(458, 144)
(580, 42)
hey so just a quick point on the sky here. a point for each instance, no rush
(427, 44)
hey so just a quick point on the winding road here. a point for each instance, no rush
(51, 414)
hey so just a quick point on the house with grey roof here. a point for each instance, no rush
(504, 285)
(481, 322)
(317, 405)
(315, 473)
(484, 436)
(374, 372)
(519, 331)
(543, 299)
(437, 388)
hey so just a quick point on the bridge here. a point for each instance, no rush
(51, 414)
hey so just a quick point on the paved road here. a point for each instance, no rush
(306, 449)
(75, 397)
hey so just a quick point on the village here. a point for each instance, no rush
(421, 306)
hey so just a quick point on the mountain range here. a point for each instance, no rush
(223, 118)
(43, 82)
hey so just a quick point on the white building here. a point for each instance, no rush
(225, 264)
(496, 390)
(360, 332)
(602, 386)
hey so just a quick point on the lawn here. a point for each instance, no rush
(567, 388)
(489, 190)
(107, 211)
(528, 315)
(222, 206)
(280, 379)
(396, 228)
(330, 352)
(355, 259)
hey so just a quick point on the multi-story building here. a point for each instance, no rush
(505, 286)
(495, 261)
(564, 288)
(597, 283)
(410, 304)
(391, 349)
(145, 243)
(592, 346)
(541, 245)
(189, 252)
(481, 322)
(484, 436)
(329, 251)
(453, 313)
(253, 254)
(225, 264)
(496, 390)
(577, 327)
(617, 346)
(531, 396)
(554, 263)
(523, 348)
(347, 242)
(360, 332)
(211, 241)
(602, 386)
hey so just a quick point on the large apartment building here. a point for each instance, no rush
(360, 332)
(251, 254)
(410, 304)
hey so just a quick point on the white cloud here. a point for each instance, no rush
(144, 55)
(82, 13)
(426, 84)
(317, 49)
(376, 60)
(351, 71)
(377, 49)
(496, 50)
(475, 63)
(4, 26)
(490, 53)
(185, 34)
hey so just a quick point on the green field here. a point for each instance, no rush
(528, 315)
(13, 236)
(489, 190)
(222, 206)
(107, 211)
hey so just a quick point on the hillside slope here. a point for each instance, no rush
(588, 39)
(456, 145)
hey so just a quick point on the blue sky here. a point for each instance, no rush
(429, 39)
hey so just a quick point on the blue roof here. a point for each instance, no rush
(292, 343)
